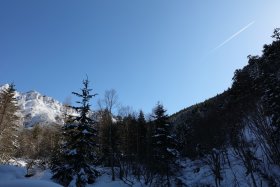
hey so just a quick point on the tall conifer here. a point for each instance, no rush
(8, 123)
(75, 162)
(163, 144)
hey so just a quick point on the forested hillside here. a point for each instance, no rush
(246, 117)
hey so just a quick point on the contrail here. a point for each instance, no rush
(233, 36)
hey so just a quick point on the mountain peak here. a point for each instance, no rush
(36, 108)
(4, 86)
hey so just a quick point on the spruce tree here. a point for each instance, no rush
(75, 162)
(8, 123)
(269, 85)
(108, 139)
(141, 136)
(163, 145)
(271, 101)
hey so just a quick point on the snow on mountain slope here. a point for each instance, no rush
(37, 108)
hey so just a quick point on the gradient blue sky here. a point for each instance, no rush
(148, 50)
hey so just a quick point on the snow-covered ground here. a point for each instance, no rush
(197, 173)
(193, 173)
(14, 176)
(27, 183)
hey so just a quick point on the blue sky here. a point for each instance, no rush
(178, 52)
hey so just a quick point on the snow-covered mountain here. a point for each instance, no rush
(38, 109)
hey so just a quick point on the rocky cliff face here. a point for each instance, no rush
(36, 108)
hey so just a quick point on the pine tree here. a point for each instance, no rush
(276, 34)
(129, 145)
(8, 123)
(269, 85)
(75, 162)
(141, 136)
(108, 140)
(164, 145)
(271, 100)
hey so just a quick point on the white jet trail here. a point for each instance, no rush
(233, 36)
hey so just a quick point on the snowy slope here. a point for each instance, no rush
(13, 176)
(37, 108)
